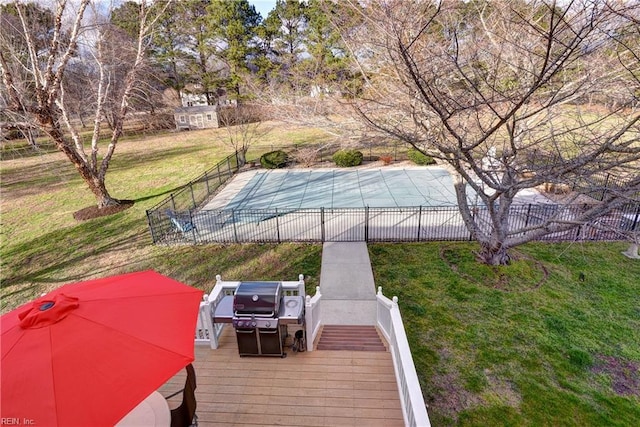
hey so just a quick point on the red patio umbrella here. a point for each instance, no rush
(87, 353)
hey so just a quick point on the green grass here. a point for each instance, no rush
(43, 247)
(528, 344)
(496, 346)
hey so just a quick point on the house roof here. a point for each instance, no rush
(196, 109)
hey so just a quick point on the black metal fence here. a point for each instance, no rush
(180, 218)
(410, 224)
(189, 197)
(598, 185)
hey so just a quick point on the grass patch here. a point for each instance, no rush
(557, 352)
(43, 247)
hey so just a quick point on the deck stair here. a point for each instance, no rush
(350, 337)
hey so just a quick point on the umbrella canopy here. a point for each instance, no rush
(87, 353)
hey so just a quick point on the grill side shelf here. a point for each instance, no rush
(224, 311)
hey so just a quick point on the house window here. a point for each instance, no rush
(182, 119)
(209, 117)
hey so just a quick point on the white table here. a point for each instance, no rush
(153, 411)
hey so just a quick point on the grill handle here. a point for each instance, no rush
(266, 316)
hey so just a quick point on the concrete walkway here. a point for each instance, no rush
(347, 285)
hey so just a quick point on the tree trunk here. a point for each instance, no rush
(495, 254)
(28, 134)
(242, 157)
(82, 124)
(98, 188)
(94, 181)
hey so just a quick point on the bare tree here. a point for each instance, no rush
(34, 81)
(500, 92)
(243, 128)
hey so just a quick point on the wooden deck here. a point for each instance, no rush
(319, 388)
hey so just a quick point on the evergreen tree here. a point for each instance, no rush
(232, 28)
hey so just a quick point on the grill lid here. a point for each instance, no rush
(257, 298)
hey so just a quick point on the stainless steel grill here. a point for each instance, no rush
(260, 315)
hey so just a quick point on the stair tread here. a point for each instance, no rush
(351, 348)
(350, 337)
(349, 327)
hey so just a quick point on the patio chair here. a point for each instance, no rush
(182, 223)
(185, 414)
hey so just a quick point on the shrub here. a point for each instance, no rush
(420, 159)
(305, 156)
(346, 158)
(274, 159)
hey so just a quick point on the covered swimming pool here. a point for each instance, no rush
(339, 188)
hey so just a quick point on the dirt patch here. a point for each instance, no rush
(624, 374)
(91, 212)
(451, 397)
(502, 391)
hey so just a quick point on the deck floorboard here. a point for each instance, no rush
(319, 388)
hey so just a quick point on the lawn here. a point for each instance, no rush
(43, 247)
(553, 339)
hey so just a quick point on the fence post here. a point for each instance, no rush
(219, 174)
(526, 221)
(419, 223)
(193, 228)
(473, 219)
(206, 181)
(193, 197)
(229, 165)
(233, 220)
(606, 186)
(153, 234)
(322, 236)
(366, 223)
(173, 202)
(277, 226)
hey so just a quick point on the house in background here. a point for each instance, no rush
(195, 112)
(196, 117)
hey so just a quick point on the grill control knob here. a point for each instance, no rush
(254, 324)
(268, 324)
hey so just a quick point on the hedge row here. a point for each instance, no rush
(343, 158)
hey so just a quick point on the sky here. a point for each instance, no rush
(263, 6)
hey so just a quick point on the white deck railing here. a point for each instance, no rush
(390, 323)
(207, 332)
(312, 317)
